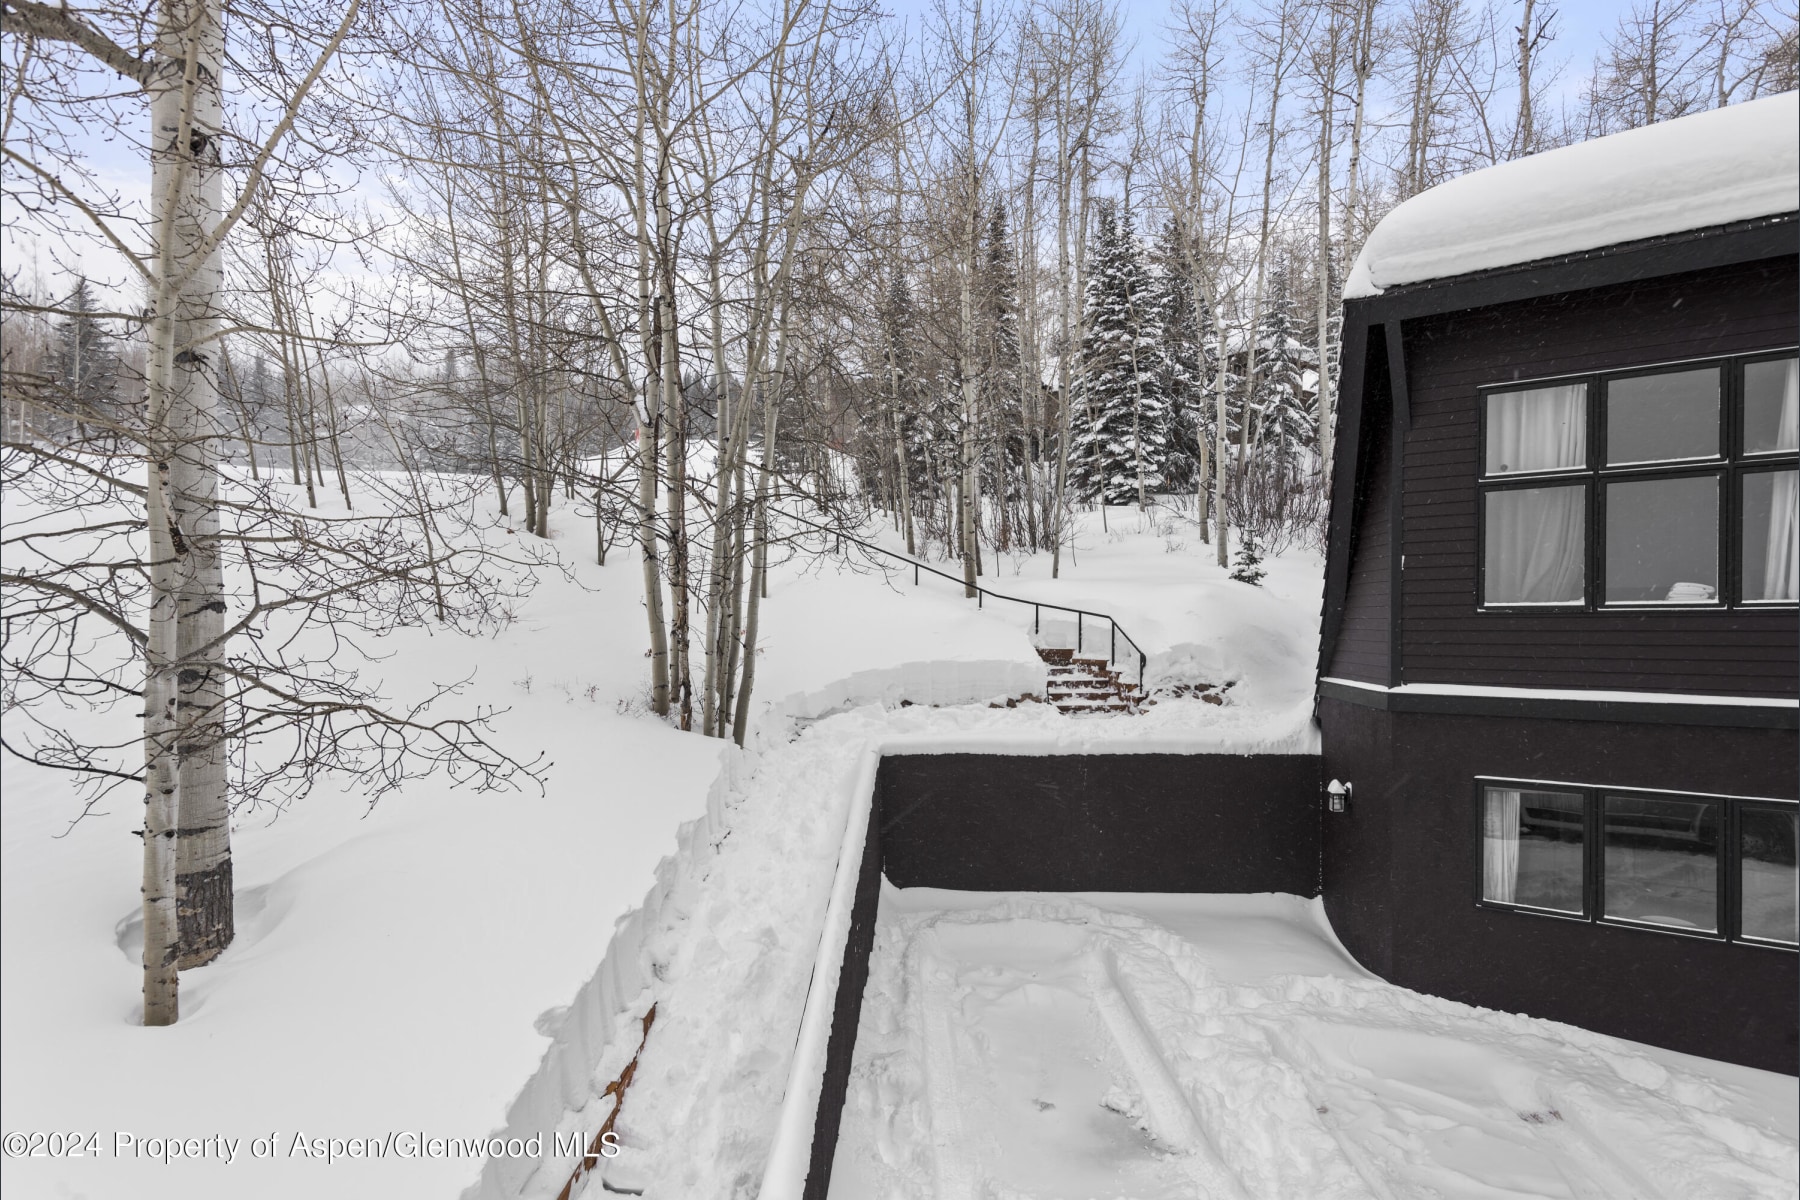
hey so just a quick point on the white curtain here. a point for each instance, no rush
(1781, 561)
(1544, 429)
(1500, 845)
(1536, 543)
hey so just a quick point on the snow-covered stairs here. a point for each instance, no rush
(1087, 685)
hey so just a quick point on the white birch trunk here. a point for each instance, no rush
(181, 749)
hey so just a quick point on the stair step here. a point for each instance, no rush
(1085, 686)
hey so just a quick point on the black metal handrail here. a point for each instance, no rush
(981, 593)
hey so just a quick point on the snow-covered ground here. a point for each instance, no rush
(1152, 574)
(1039, 1046)
(373, 991)
(371, 988)
(1187, 1043)
(389, 963)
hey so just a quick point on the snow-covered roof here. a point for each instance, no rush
(1713, 168)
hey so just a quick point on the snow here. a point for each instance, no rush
(390, 965)
(749, 920)
(462, 966)
(420, 966)
(1036, 1046)
(1196, 625)
(1709, 169)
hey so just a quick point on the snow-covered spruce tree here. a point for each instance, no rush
(1285, 426)
(1120, 449)
(1186, 364)
(1001, 396)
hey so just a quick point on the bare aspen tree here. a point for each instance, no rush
(1030, 343)
(1078, 45)
(164, 599)
(1326, 57)
(1192, 68)
(1362, 68)
(1278, 36)
(1647, 71)
(970, 37)
(1429, 41)
(1533, 31)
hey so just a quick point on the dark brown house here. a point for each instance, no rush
(1559, 655)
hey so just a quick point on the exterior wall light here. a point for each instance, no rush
(1337, 796)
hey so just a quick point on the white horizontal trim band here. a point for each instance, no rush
(1620, 788)
(1583, 695)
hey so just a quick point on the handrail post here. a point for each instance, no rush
(1078, 615)
(915, 574)
(1142, 659)
(980, 596)
(1037, 620)
(1112, 647)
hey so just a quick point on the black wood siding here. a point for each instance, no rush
(1400, 879)
(1361, 649)
(1729, 310)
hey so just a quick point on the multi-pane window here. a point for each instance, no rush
(1714, 866)
(1667, 487)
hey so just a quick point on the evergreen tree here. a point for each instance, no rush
(84, 365)
(900, 383)
(1248, 568)
(1186, 363)
(1001, 394)
(1286, 425)
(1121, 445)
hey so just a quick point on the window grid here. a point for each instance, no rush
(1729, 466)
(1727, 854)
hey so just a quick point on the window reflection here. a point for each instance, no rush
(1772, 406)
(1770, 899)
(1661, 862)
(1662, 541)
(1770, 552)
(1659, 418)
(1532, 848)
